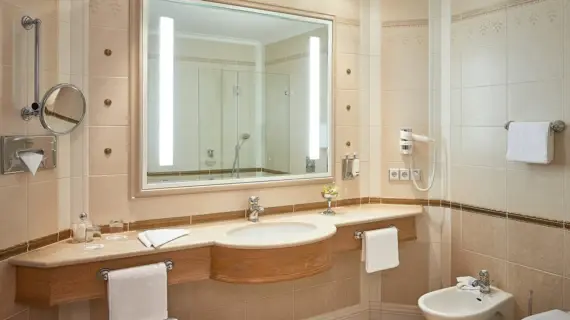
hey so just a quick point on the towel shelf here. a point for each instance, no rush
(103, 274)
(556, 126)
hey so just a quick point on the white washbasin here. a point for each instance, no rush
(275, 234)
(270, 230)
(452, 303)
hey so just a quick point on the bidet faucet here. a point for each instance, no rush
(254, 209)
(484, 282)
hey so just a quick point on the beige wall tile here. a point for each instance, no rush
(12, 100)
(234, 311)
(429, 225)
(547, 289)
(8, 284)
(483, 146)
(346, 265)
(280, 307)
(410, 280)
(536, 246)
(346, 293)
(535, 44)
(484, 106)
(347, 38)
(343, 136)
(75, 311)
(64, 203)
(480, 186)
(567, 255)
(347, 108)
(115, 138)
(484, 234)
(536, 101)
(536, 193)
(43, 207)
(51, 313)
(109, 13)
(24, 315)
(405, 62)
(566, 293)
(14, 218)
(405, 108)
(114, 89)
(115, 40)
(313, 301)
(108, 198)
(343, 79)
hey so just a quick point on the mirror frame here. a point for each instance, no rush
(43, 106)
(137, 99)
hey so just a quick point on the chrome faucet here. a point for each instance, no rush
(254, 209)
(484, 282)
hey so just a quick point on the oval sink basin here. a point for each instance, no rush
(452, 303)
(275, 234)
(271, 230)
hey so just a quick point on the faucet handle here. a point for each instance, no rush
(484, 274)
(254, 200)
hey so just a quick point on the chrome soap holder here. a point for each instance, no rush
(12, 146)
(350, 167)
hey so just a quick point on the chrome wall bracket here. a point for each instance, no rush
(556, 126)
(34, 110)
(103, 274)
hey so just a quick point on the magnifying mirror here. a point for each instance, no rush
(62, 108)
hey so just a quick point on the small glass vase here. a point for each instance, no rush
(329, 198)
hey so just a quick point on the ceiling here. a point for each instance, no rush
(198, 18)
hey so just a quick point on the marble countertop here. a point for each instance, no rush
(65, 253)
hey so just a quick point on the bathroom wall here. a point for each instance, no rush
(511, 63)
(99, 182)
(36, 209)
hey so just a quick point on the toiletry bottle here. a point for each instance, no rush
(79, 229)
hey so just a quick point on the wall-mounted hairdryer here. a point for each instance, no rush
(407, 139)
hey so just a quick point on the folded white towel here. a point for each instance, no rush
(466, 283)
(156, 238)
(530, 142)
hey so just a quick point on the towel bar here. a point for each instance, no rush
(358, 235)
(103, 274)
(556, 126)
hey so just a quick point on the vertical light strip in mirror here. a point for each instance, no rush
(166, 92)
(314, 97)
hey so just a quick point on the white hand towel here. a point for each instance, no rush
(156, 238)
(530, 142)
(138, 293)
(380, 249)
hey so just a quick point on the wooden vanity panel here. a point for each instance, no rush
(45, 287)
(344, 240)
(270, 265)
(53, 286)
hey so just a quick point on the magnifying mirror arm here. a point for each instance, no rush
(33, 111)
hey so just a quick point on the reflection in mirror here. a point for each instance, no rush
(63, 109)
(234, 95)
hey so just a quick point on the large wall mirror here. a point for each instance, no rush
(233, 95)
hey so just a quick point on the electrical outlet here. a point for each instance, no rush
(393, 174)
(404, 174)
(417, 173)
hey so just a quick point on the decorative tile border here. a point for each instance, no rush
(240, 214)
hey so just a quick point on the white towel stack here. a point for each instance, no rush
(157, 238)
(138, 293)
(530, 142)
(380, 249)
